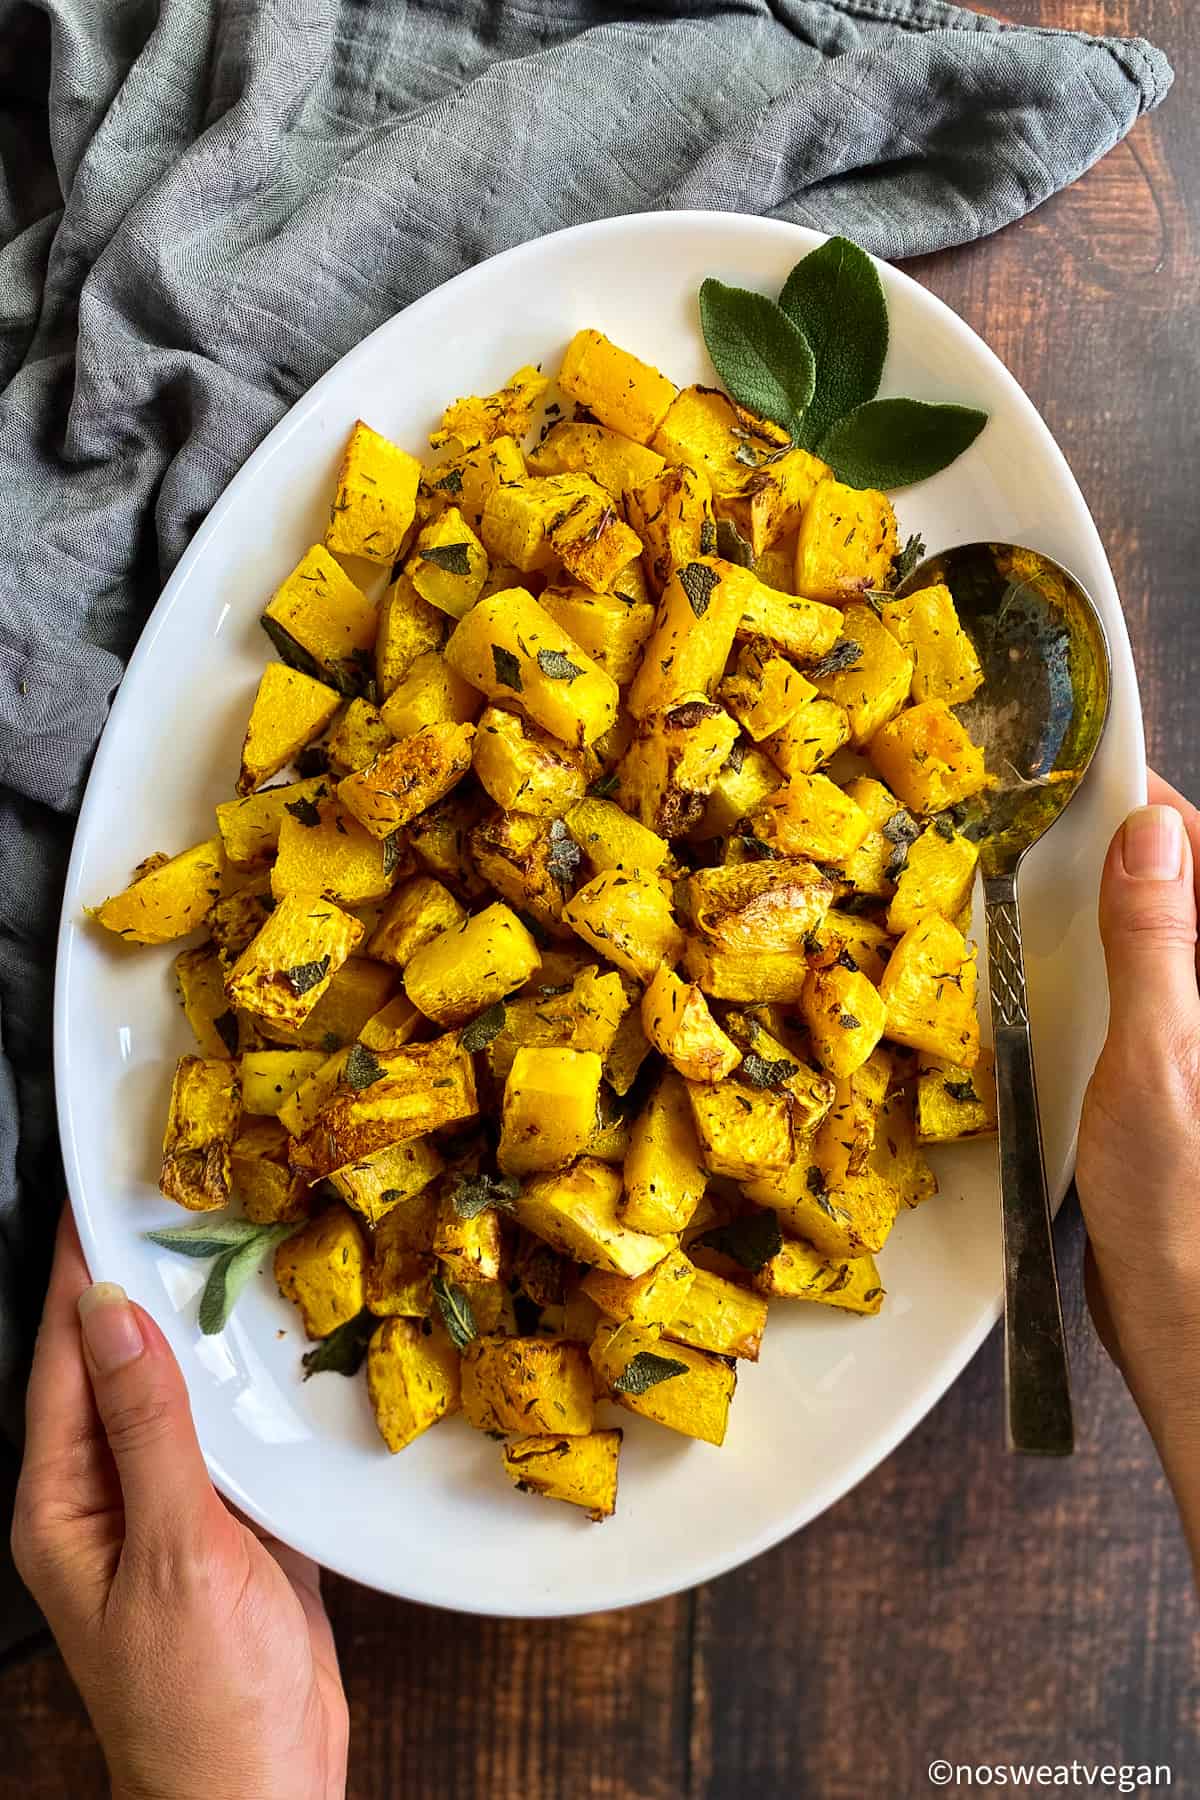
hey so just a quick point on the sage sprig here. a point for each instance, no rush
(813, 361)
(236, 1249)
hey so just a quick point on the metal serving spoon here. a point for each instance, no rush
(1039, 715)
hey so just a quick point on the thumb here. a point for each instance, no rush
(1148, 924)
(143, 1406)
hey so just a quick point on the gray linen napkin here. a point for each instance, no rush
(203, 205)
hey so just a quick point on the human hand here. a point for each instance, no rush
(203, 1651)
(1138, 1167)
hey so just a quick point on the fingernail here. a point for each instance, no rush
(110, 1327)
(1152, 844)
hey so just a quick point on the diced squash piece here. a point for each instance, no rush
(357, 738)
(170, 899)
(324, 850)
(927, 758)
(399, 1278)
(743, 1131)
(203, 1121)
(845, 1017)
(527, 1383)
(289, 711)
(687, 651)
(464, 971)
(319, 620)
(414, 916)
(513, 651)
(299, 1111)
(615, 461)
(384, 1180)
(579, 1470)
(448, 565)
(376, 497)
(523, 768)
(651, 1299)
(472, 476)
(321, 1269)
(393, 1026)
(575, 1210)
(469, 1249)
(439, 838)
(235, 919)
(810, 816)
(801, 627)
(842, 1143)
(356, 993)
(549, 1111)
(874, 686)
(676, 1019)
(765, 690)
(744, 975)
(813, 734)
(718, 1316)
(611, 628)
(694, 1402)
(283, 972)
(866, 944)
(622, 392)
(529, 862)
(270, 1077)
(480, 419)
(954, 1102)
(798, 1272)
(665, 1176)
(430, 694)
(850, 1220)
(610, 839)
(704, 429)
(586, 1017)
(250, 828)
(895, 1153)
(767, 905)
(671, 765)
(626, 918)
(409, 777)
(517, 518)
(412, 1378)
(423, 1088)
(672, 514)
(945, 666)
(928, 989)
(768, 1062)
(408, 627)
(847, 542)
(770, 504)
(200, 975)
(872, 867)
(592, 541)
(740, 788)
(260, 1177)
(937, 877)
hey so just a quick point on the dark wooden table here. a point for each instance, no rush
(958, 1604)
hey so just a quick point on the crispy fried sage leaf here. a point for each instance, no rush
(698, 582)
(305, 976)
(483, 1028)
(646, 1370)
(362, 1070)
(455, 559)
(751, 1241)
(455, 1308)
(508, 668)
(343, 1351)
(557, 665)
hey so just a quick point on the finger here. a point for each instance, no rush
(1163, 794)
(143, 1406)
(1148, 924)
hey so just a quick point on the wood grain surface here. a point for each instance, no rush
(959, 1603)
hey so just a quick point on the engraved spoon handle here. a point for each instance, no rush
(1037, 1380)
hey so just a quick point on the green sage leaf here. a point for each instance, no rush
(483, 1028)
(751, 1241)
(455, 559)
(455, 1308)
(362, 1070)
(230, 1273)
(207, 1238)
(474, 1194)
(762, 357)
(835, 297)
(507, 667)
(343, 1351)
(892, 443)
(646, 1370)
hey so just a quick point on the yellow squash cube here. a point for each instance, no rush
(479, 419)
(810, 816)
(579, 1470)
(672, 514)
(695, 1401)
(847, 542)
(514, 652)
(745, 975)
(665, 1177)
(409, 777)
(260, 1177)
(850, 1220)
(704, 430)
(517, 517)
(622, 392)
(744, 1132)
(575, 1210)
(676, 1019)
(376, 498)
(430, 694)
(845, 1017)
(299, 1110)
(896, 1154)
(527, 1383)
(422, 1088)
(527, 861)
(610, 627)
(928, 989)
(874, 686)
(355, 994)
(462, 972)
(610, 839)
(413, 917)
(937, 877)
(250, 828)
(408, 627)
(765, 690)
(469, 1250)
(586, 1017)
(449, 565)
(412, 1379)
(718, 1316)
(470, 477)
(954, 1102)
(549, 1110)
(871, 869)
(591, 540)
(812, 736)
(843, 1141)
(767, 905)
(289, 711)
(320, 620)
(283, 972)
(616, 462)
(524, 769)
(271, 1077)
(170, 899)
(378, 1183)
(798, 1272)
(686, 653)
(324, 850)
(800, 627)
(927, 758)
(650, 1299)
(200, 975)
(393, 1026)
(740, 788)
(669, 769)
(357, 738)
(770, 505)
(945, 666)
(203, 1121)
(628, 919)
(321, 1269)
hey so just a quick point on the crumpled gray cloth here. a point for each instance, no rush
(204, 203)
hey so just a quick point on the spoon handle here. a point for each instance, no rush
(1037, 1379)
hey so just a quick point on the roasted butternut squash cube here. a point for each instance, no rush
(480, 419)
(423, 1087)
(321, 1267)
(271, 1077)
(768, 905)
(203, 1121)
(235, 919)
(170, 899)
(412, 1378)
(439, 838)
(800, 627)
(718, 1316)
(854, 1219)
(798, 1272)
(694, 1402)
(676, 1019)
(927, 758)
(324, 850)
(765, 690)
(575, 1210)
(847, 542)
(376, 498)
(448, 565)
(260, 1177)
(810, 816)
(319, 620)
(703, 429)
(357, 738)
(768, 1062)
(954, 1102)
(610, 627)
(517, 517)
(399, 1276)
(672, 514)
(283, 972)
(469, 1249)
(872, 867)
(464, 971)
(514, 652)
(621, 391)
(298, 1111)
(874, 686)
(867, 945)
(845, 1017)
(895, 1153)
(200, 976)
(610, 839)
(812, 736)
(842, 1143)
(413, 917)
(670, 767)
(355, 994)
(549, 1112)
(591, 540)
(249, 828)
(686, 653)
(430, 694)
(377, 1183)
(515, 1384)
(579, 1470)
(665, 1177)
(651, 1299)
(289, 711)
(408, 627)
(568, 447)
(529, 862)
(945, 666)
(743, 1131)
(740, 788)
(745, 975)
(523, 768)
(928, 989)
(393, 1026)
(626, 918)
(585, 1017)
(938, 876)
(409, 777)
(770, 503)
(470, 477)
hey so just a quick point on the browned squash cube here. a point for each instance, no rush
(321, 1269)
(412, 1378)
(206, 1110)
